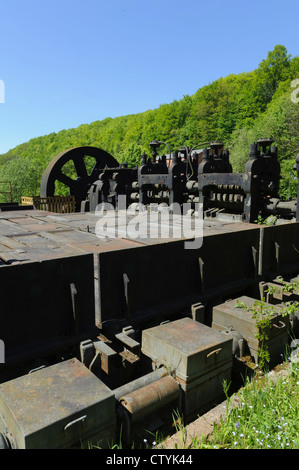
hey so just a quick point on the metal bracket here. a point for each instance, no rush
(74, 297)
(128, 296)
(277, 248)
(255, 262)
(87, 352)
(104, 355)
(130, 344)
(201, 273)
(198, 312)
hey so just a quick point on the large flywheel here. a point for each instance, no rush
(84, 175)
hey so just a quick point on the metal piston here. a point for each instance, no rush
(150, 398)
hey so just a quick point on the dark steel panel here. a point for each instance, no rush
(158, 276)
(155, 275)
(37, 308)
(229, 258)
(280, 249)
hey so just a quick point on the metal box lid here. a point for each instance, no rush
(56, 407)
(187, 348)
(230, 315)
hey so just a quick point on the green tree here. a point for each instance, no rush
(272, 70)
(132, 155)
(25, 176)
(237, 109)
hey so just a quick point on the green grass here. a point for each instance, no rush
(266, 418)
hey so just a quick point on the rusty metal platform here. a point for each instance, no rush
(72, 280)
(34, 235)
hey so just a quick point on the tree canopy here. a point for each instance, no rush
(236, 109)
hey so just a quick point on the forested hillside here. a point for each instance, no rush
(236, 109)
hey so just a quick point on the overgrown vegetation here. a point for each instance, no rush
(264, 314)
(266, 418)
(237, 109)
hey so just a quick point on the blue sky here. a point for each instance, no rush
(69, 62)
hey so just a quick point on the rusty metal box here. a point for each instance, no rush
(229, 315)
(57, 407)
(199, 358)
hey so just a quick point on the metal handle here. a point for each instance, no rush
(216, 351)
(37, 368)
(82, 418)
(283, 325)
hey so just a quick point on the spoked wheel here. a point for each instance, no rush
(84, 178)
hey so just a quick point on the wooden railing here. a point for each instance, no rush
(59, 204)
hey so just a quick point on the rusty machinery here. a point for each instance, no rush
(249, 194)
(184, 176)
(104, 335)
(166, 178)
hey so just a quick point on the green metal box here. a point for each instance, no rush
(60, 406)
(197, 356)
(230, 315)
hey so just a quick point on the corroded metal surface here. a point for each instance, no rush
(188, 348)
(57, 406)
(36, 235)
(199, 358)
(150, 398)
(231, 316)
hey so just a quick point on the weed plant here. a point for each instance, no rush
(267, 416)
(263, 314)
